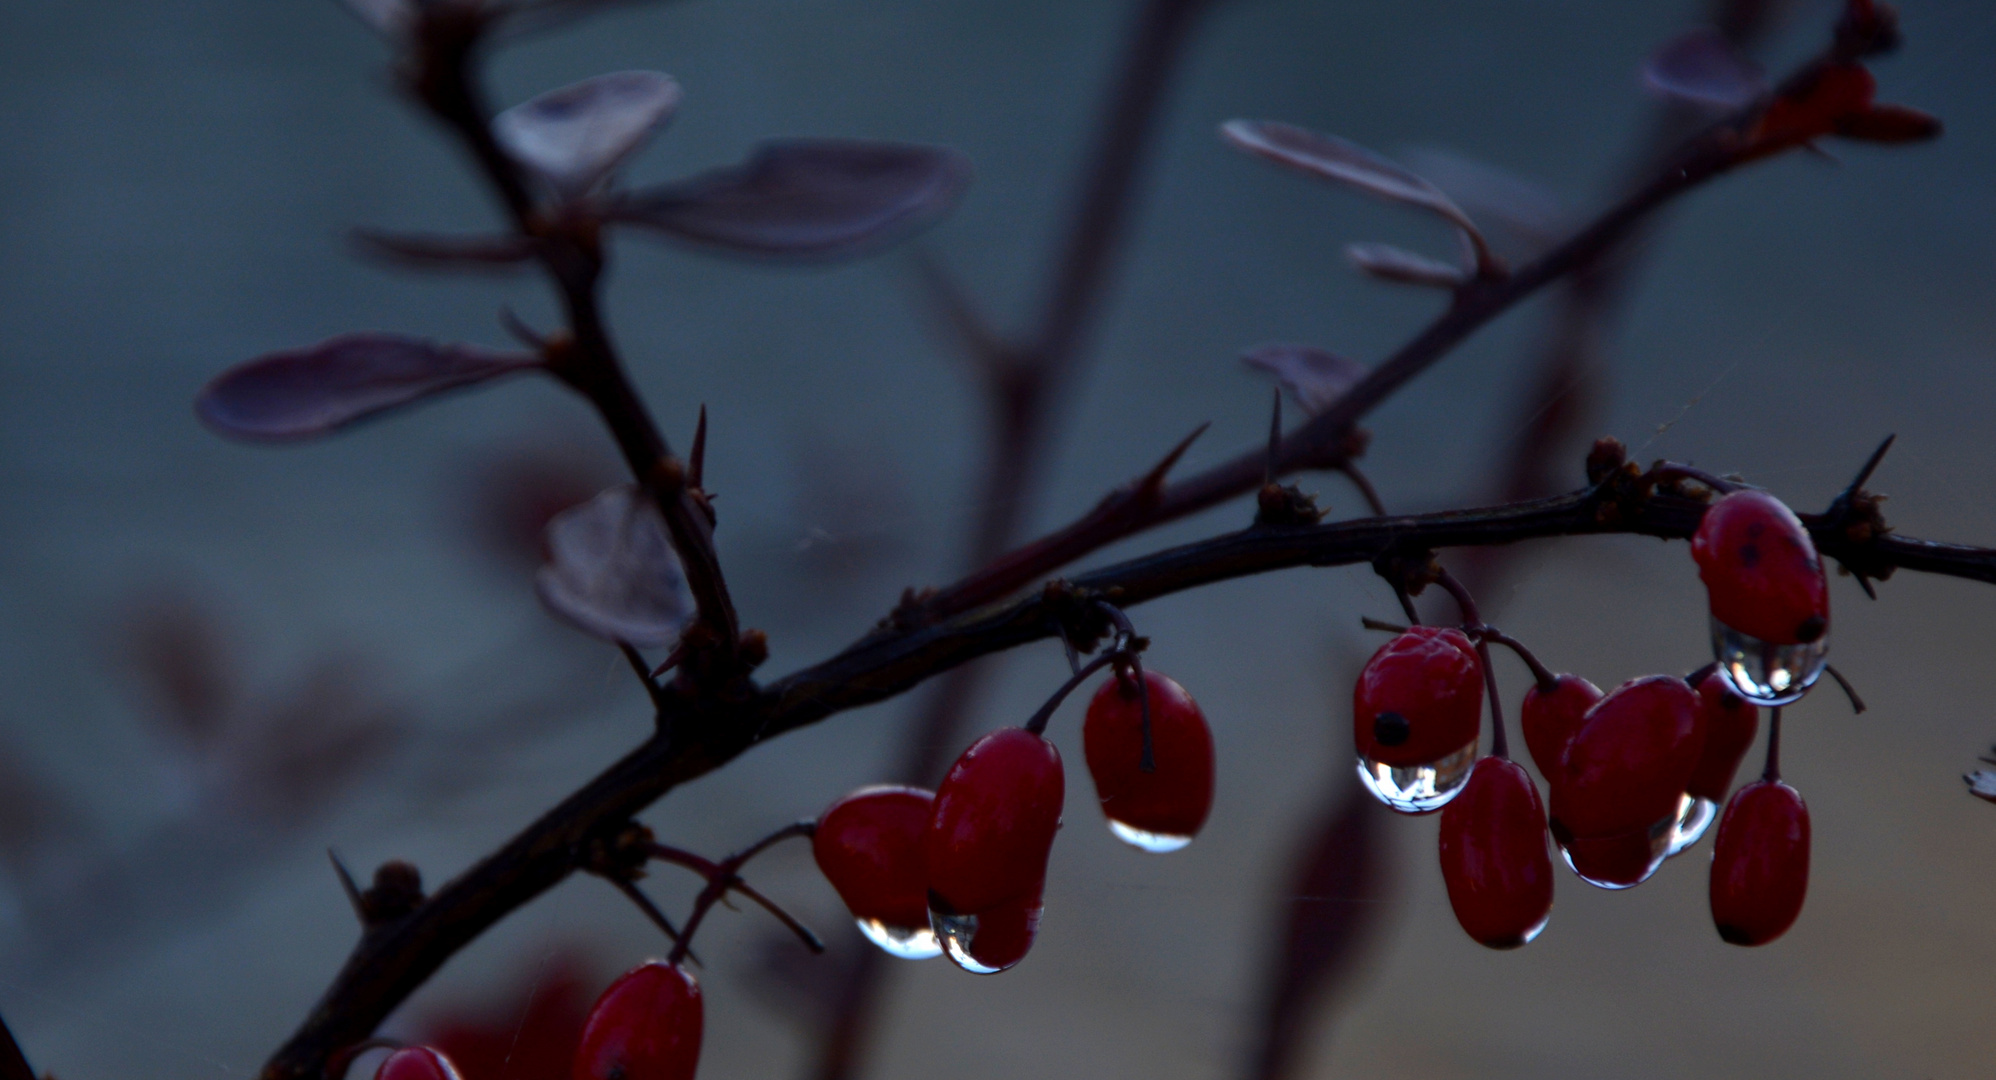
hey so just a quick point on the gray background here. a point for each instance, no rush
(178, 179)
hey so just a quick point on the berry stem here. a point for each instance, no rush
(1365, 488)
(1772, 774)
(1467, 603)
(1407, 604)
(1371, 623)
(1038, 724)
(644, 904)
(1666, 470)
(1856, 703)
(1698, 677)
(723, 877)
(1499, 745)
(1548, 682)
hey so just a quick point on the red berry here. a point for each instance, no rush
(1760, 863)
(1162, 809)
(1626, 767)
(1419, 699)
(869, 845)
(1618, 860)
(994, 940)
(646, 1026)
(994, 822)
(1730, 725)
(416, 1063)
(1494, 861)
(1761, 571)
(1551, 719)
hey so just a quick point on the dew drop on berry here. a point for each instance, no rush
(906, 942)
(1617, 861)
(1418, 789)
(1694, 816)
(992, 941)
(1765, 673)
(1154, 842)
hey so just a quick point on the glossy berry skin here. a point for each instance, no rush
(1419, 699)
(1760, 863)
(1731, 722)
(1551, 719)
(994, 822)
(1172, 799)
(1618, 860)
(646, 1026)
(1626, 767)
(1494, 861)
(1006, 933)
(416, 1063)
(871, 846)
(1761, 571)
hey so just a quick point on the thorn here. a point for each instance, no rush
(347, 883)
(1153, 480)
(1865, 584)
(1856, 703)
(1371, 623)
(1870, 465)
(1274, 441)
(697, 464)
(519, 329)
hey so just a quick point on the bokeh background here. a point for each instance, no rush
(217, 661)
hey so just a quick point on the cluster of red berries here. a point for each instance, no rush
(1636, 775)
(962, 871)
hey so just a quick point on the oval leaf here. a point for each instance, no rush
(1518, 204)
(1702, 67)
(1331, 158)
(1315, 378)
(612, 572)
(1389, 263)
(815, 198)
(502, 252)
(579, 134)
(306, 393)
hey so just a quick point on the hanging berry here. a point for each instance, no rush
(1493, 853)
(1731, 722)
(416, 1063)
(992, 829)
(994, 940)
(646, 1026)
(1160, 808)
(1760, 863)
(1770, 603)
(1416, 712)
(1628, 763)
(1551, 718)
(870, 846)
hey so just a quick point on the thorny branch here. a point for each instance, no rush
(700, 730)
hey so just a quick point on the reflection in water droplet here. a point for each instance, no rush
(906, 942)
(1621, 861)
(1768, 674)
(990, 943)
(1694, 816)
(1155, 843)
(1418, 789)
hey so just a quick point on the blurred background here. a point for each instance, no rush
(218, 661)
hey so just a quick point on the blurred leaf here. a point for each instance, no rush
(1389, 263)
(501, 253)
(1518, 204)
(176, 647)
(1982, 784)
(577, 135)
(1331, 158)
(1890, 124)
(822, 198)
(1702, 67)
(299, 753)
(1336, 890)
(1314, 377)
(507, 495)
(307, 393)
(612, 572)
(385, 16)
(530, 1035)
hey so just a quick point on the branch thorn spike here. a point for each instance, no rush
(348, 885)
(697, 464)
(1153, 480)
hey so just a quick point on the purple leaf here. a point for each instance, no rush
(612, 572)
(1389, 263)
(808, 197)
(499, 253)
(1702, 67)
(1982, 784)
(1519, 204)
(1331, 158)
(307, 393)
(1315, 378)
(579, 134)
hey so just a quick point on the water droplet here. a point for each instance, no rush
(1155, 843)
(1694, 816)
(1620, 861)
(1009, 933)
(1767, 674)
(1418, 789)
(906, 942)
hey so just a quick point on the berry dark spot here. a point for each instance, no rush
(1390, 729)
(1811, 629)
(1749, 554)
(1733, 935)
